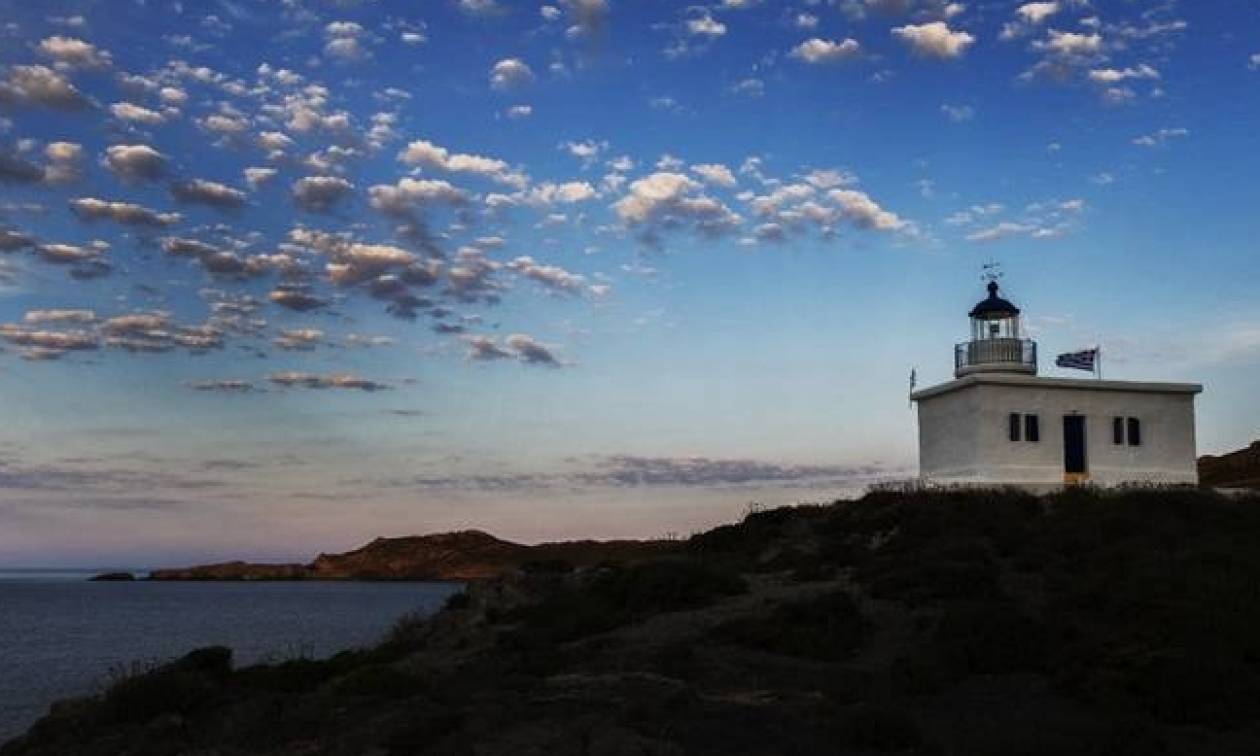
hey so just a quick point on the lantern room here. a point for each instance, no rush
(997, 343)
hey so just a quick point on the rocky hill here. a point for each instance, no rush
(464, 555)
(1240, 469)
(940, 622)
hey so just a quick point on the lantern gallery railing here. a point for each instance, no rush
(1019, 354)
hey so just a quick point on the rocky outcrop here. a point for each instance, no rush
(1239, 469)
(459, 556)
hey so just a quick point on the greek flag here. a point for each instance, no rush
(1083, 360)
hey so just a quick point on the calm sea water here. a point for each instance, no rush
(60, 635)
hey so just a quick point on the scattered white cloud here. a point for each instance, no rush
(715, 174)
(91, 208)
(320, 193)
(705, 26)
(43, 87)
(426, 154)
(818, 50)
(1162, 136)
(934, 39)
(126, 111)
(205, 192)
(510, 73)
(74, 53)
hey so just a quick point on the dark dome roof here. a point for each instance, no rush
(994, 307)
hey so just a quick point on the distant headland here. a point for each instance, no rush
(459, 556)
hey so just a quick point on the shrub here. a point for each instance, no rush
(882, 729)
(179, 687)
(621, 595)
(989, 637)
(828, 628)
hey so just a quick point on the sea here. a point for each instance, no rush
(63, 636)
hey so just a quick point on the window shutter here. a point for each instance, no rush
(1117, 431)
(1013, 422)
(1032, 428)
(1135, 432)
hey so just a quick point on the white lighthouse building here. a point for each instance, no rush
(999, 423)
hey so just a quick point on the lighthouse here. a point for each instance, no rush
(1000, 423)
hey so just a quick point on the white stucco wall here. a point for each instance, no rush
(963, 430)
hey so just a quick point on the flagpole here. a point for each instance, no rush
(1098, 360)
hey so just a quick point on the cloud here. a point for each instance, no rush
(863, 211)
(705, 26)
(39, 317)
(517, 346)
(48, 344)
(256, 177)
(510, 73)
(471, 276)
(356, 262)
(715, 174)
(1035, 13)
(69, 254)
(517, 112)
(206, 192)
(223, 385)
(665, 200)
(320, 193)
(299, 339)
(1000, 231)
(630, 471)
(934, 39)
(587, 17)
(74, 53)
(12, 240)
(293, 379)
(275, 142)
(1160, 137)
(90, 208)
(958, 113)
(428, 155)
(225, 123)
(412, 194)
(65, 162)
(1070, 44)
(1113, 75)
(750, 87)
(15, 169)
(818, 50)
(126, 111)
(480, 7)
(587, 151)
(135, 161)
(41, 86)
(634, 471)
(295, 297)
(343, 40)
(553, 277)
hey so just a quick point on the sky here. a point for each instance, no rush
(279, 277)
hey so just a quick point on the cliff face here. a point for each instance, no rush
(1240, 469)
(463, 555)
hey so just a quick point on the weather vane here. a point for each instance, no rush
(992, 271)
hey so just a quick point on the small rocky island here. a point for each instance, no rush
(108, 577)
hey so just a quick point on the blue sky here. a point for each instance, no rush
(281, 277)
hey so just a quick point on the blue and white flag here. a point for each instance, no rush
(1083, 360)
